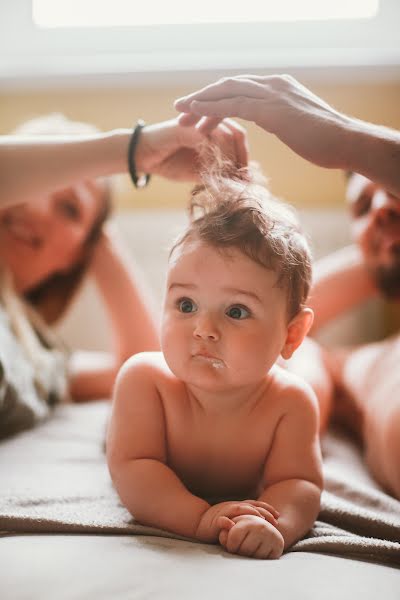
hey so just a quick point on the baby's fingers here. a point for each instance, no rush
(225, 523)
(264, 505)
(223, 537)
(265, 514)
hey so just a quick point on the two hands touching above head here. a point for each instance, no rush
(280, 105)
(172, 151)
(300, 119)
(247, 527)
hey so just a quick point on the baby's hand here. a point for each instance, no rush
(222, 516)
(252, 536)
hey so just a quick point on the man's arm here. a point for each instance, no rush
(293, 471)
(340, 282)
(307, 124)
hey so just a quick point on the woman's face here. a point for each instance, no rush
(48, 236)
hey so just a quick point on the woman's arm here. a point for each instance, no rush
(33, 166)
(303, 121)
(131, 313)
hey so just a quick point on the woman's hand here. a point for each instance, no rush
(280, 105)
(170, 150)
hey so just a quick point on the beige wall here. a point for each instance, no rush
(290, 177)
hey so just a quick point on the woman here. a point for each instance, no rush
(49, 240)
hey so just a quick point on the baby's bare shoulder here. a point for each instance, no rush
(293, 392)
(145, 365)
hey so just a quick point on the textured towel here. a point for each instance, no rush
(54, 479)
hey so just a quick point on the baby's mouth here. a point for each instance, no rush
(214, 361)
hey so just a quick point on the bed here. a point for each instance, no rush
(64, 533)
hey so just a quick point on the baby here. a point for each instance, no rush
(212, 439)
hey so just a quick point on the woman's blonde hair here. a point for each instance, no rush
(52, 297)
(42, 348)
(233, 209)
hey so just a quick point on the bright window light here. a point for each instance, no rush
(103, 13)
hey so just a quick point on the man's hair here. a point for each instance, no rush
(231, 209)
(52, 297)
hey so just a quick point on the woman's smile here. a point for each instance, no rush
(22, 230)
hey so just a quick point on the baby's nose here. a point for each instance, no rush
(206, 329)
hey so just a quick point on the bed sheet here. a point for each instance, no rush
(64, 532)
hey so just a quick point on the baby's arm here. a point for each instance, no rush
(137, 459)
(292, 480)
(293, 470)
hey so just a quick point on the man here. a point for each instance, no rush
(365, 379)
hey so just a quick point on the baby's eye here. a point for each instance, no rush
(238, 312)
(186, 305)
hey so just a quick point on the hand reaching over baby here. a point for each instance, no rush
(253, 536)
(222, 517)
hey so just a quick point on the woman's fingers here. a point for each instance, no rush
(232, 140)
(241, 142)
(234, 133)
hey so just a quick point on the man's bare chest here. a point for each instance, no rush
(372, 371)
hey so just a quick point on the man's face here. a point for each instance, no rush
(375, 228)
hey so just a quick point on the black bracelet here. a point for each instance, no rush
(142, 180)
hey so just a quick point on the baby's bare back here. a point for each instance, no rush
(219, 454)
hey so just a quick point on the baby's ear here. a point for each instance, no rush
(297, 330)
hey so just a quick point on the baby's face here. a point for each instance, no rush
(224, 320)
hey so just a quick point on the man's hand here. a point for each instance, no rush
(280, 105)
(222, 516)
(170, 150)
(252, 536)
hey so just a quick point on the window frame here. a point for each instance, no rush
(27, 52)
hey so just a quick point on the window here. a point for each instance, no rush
(42, 38)
(100, 13)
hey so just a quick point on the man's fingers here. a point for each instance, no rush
(250, 109)
(226, 88)
(188, 119)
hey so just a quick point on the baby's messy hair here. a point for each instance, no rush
(232, 208)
